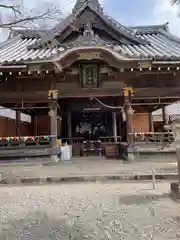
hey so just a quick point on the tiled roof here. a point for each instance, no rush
(95, 7)
(147, 42)
(16, 50)
(93, 3)
(149, 28)
(173, 109)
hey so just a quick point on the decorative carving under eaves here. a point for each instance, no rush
(87, 39)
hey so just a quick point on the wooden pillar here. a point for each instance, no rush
(53, 129)
(114, 126)
(59, 126)
(151, 124)
(119, 116)
(69, 124)
(129, 125)
(164, 115)
(35, 125)
(18, 123)
(129, 112)
(59, 123)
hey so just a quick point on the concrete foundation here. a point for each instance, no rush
(54, 159)
(131, 157)
(175, 190)
(131, 154)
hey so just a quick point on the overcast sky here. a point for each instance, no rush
(132, 12)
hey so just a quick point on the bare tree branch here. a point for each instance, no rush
(175, 2)
(14, 8)
(16, 15)
(26, 19)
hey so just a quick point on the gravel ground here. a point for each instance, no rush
(89, 211)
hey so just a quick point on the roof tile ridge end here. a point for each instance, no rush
(169, 35)
(155, 26)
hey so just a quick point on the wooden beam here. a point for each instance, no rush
(151, 104)
(160, 97)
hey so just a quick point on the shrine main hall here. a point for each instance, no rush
(89, 81)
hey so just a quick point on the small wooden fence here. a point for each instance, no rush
(156, 138)
(25, 142)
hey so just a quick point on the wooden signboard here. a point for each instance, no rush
(89, 55)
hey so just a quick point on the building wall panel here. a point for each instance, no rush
(140, 122)
(8, 127)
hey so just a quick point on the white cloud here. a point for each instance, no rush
(163, 12)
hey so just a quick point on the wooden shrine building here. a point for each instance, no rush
(88, 77)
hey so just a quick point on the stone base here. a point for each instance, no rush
(131, 157)
(175, 190)
(131, 154)
(54, 159)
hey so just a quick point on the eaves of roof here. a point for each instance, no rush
(160, 47)
(173, 109)
(124, 31)
(145, 29)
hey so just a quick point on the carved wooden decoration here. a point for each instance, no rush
(53, 94)
(89, 55)
(128, 90)
(34, 67)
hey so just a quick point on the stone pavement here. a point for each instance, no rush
(94, 168)
(89, 211)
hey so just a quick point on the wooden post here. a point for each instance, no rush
(175, 186)
(59, 123)
(53, 129)
(120, 119)
(178, 162)
(69, 123)
(59, 126)
(34, 125)
(153, 179)
(18, 123)
(151, 124)
(129, 111)
(129, 125)
(164, 115)
(114, 126)
(53, 96)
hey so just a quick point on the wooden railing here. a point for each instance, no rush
(72, 140)
(110, 139)
(81, 147)
(25, 141)
(158, 138)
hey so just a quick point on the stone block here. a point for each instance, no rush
(131, 152)
(175, 190)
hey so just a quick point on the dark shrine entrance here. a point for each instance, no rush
(92, 124)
